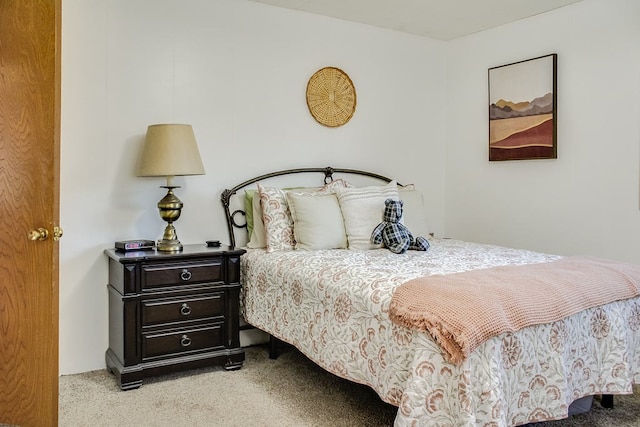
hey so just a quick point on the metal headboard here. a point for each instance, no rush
(328, 177)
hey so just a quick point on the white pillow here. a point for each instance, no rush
(362, 210)
(278, 223)
(414, 216)
(317, 221)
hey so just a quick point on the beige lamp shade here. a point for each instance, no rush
(170, 150)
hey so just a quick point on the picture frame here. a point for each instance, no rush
(523, 106)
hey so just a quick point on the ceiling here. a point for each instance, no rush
(436, 19)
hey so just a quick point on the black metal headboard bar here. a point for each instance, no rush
(328, 177)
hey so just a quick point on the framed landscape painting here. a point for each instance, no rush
(522, 110)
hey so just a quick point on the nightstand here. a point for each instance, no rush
(173, 311)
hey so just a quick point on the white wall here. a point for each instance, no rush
(587, 200)
(237, 71)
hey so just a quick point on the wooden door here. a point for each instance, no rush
(29, 199)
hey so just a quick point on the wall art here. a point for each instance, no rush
(331, 97)
(523, 109)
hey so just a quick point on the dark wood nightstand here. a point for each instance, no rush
(173, 311)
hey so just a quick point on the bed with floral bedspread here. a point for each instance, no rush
(312, 277)
(333, 306)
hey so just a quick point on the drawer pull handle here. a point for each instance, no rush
(185, 341)
(185, 310)
(185, 275)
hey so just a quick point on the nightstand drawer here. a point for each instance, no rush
(171, 342)
(161, 275)
(170, 310)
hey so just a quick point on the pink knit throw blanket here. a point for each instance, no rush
(463, 310)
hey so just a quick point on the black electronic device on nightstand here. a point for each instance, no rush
(135, 245)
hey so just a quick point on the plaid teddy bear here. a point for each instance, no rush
(395, 236)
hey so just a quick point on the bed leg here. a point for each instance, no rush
(273, 347)
(607, 401)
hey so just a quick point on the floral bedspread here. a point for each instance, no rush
(332, 305)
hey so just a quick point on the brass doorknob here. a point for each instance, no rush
(39, 234)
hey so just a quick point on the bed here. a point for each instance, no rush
(304, 285)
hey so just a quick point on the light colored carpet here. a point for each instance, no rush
(289, 391)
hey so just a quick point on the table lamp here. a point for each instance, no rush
(170, 150)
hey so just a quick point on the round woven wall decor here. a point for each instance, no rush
(331, 97)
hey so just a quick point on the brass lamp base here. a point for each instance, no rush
(170, 208)
(168, 243)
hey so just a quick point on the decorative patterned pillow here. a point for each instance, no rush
(253, 215)
(277, 219)
(362, 209)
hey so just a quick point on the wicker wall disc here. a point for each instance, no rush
(331, 97)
